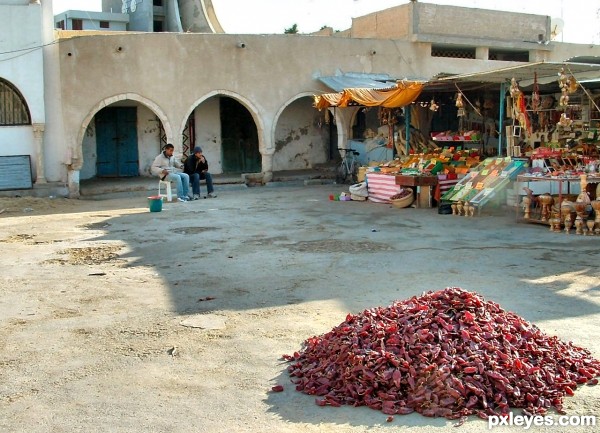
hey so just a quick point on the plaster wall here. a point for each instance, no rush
(22, 66)
(20, 30)
(391, 23)
(478, 23)
(18, 140)
(300, 139)
(415, 19)
(208, 132)
(148, 132)
(88, 149)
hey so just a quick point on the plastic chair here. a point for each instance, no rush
(169, 194)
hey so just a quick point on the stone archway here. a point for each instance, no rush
(301, 135)
(232, 145)
(80, 153)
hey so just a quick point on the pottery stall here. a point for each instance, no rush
(567, 204)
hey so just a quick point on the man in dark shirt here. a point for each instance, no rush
(196, 166)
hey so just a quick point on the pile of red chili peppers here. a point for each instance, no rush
(448, 353)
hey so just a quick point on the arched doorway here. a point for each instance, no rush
(239, 138)
(302, 136)
(121, 140)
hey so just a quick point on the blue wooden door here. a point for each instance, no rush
(116, 142)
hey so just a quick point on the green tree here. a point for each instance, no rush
(292, 30)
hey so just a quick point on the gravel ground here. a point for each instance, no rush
(117, 319)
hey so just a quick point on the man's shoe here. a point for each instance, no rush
(196, 196)
(211, 195)
(182, 199)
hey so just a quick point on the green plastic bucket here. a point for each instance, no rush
(155, 203)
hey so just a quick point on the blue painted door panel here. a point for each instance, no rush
(116, 142)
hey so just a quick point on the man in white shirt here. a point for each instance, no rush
(166, 168)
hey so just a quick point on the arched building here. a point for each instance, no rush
(102, 104)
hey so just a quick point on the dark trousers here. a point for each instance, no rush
(195, 179)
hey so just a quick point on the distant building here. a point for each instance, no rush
(84, 20)
(195, 16)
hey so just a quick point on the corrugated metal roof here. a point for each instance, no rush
(523, 74)
(352, 80)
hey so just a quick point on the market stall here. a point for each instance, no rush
(551, 128)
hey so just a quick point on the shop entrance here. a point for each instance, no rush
(239, 137)
(116, 142)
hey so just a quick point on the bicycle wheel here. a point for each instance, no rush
(341, 174)
(354, 173)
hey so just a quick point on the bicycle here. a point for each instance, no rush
(348, 169)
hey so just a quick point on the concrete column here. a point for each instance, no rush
(38, 134)
(537, 55)
(73, 182)
(266, 140)
(267, 165)
(482, 53)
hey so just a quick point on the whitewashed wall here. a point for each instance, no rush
(299, 140)
(23, 69)
(208, 132)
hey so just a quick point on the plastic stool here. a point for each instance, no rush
(167, 184)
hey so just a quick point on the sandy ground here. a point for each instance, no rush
(97, 299)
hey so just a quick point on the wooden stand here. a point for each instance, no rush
(422, 186)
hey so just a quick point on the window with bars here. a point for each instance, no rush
(13, 108)
(509, 56)
(104, 25)
(455, 52)
(77, 24)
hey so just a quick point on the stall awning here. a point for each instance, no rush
(547, 72)
(358, 80)
(402, 94)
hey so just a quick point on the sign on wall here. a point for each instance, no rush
(15, 172)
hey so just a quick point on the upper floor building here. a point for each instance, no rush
(85, 20)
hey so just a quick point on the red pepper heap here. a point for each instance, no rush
(448, 353)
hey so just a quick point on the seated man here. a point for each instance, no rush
(196, 166)
(165, 167)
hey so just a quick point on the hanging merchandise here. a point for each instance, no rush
(564, 121)
(535, 95)
(433, 106)
(519, 107)
(567, 85)
(460, 105)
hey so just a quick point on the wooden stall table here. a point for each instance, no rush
(422, 185)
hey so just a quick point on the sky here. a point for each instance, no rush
(581, 17)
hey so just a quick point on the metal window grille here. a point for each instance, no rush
(455, 52)
(509, 56)
(13, 108)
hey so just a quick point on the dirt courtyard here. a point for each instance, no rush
(117, 319)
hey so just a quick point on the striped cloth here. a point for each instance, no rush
(445, 182)
(381, 187)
